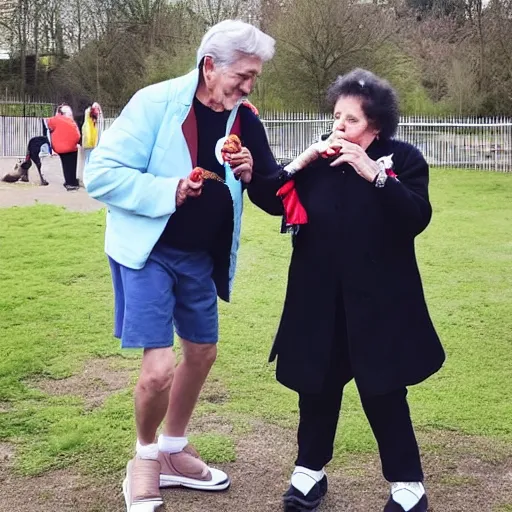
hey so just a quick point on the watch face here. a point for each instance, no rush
(381, 179)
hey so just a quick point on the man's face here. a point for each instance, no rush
(227, 85)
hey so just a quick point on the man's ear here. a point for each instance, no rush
(208, 69)
(208, 64)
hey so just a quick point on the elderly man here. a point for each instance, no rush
(172, 241)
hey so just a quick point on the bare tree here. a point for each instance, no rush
(319, 40)
(455, 54)
(498, 54)
(213, 11)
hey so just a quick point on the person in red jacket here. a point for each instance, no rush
(65, 137)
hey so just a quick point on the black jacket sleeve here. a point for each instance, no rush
(267, 175)
(407, 198)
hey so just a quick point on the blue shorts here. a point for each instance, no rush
(174, 290)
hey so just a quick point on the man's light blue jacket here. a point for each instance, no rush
(136, 167)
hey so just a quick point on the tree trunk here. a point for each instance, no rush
(22, 42)
(79, 22)
(36, 45)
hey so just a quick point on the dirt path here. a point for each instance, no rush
(463, 473)
(26, 194)
(458, 480)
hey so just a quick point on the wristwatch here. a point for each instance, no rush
(381, 178)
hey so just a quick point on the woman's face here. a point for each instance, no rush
(349, 119)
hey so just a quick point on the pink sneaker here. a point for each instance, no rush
(186, 469)
(140, 487)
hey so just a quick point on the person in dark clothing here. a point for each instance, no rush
(21, 168)
(206, 224)
(354, 306)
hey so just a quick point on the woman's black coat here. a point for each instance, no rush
(358, 244)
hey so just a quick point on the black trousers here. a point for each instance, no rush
(387, 414)
(69, 162)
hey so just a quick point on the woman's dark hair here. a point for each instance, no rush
(378, 99)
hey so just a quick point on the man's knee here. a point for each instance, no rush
(157, 370)
(199, 354)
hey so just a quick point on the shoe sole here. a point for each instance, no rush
(190, 483)
(421, 506)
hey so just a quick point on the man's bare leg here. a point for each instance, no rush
(141, 485)
(152, 391)
(189, 378)
(179, 465)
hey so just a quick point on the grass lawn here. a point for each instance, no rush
(56, 316)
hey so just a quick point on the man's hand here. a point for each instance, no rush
(248, 104)
(242, 164)
(188, 187)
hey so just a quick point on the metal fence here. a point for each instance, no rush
(483, 143)
(472, 143)
(15, 132)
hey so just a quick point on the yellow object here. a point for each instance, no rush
(89, 131)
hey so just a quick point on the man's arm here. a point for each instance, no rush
(267, 173)
(117, 171)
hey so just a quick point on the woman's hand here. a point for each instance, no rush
(241, 163)
(305, 158)
(354, 155)
(330, 146)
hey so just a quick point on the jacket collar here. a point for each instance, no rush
(187, 86)
(186, 93)
(378, 148)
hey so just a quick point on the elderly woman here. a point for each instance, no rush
(354, 306)
(65, 137)
(172, 238)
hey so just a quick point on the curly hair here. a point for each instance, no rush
(378, 99)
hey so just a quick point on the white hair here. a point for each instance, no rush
(65, 110)
(226, 40)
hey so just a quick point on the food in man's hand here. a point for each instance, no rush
(198, 174)
(232, 145)
(195, 175)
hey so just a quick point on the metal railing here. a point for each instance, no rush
(473, 143)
